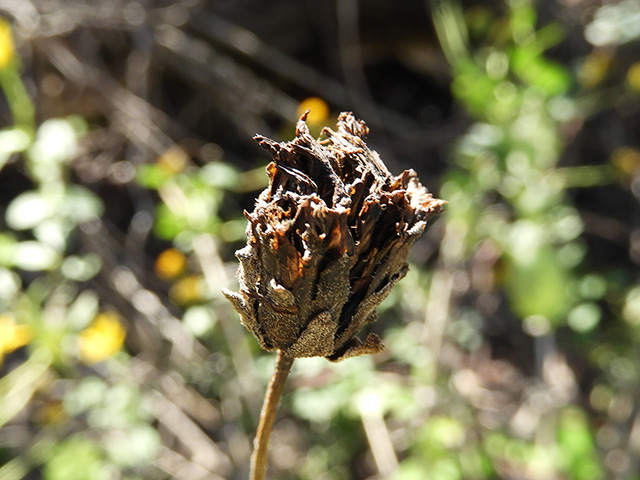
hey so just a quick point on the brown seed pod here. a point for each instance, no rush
(328, 239)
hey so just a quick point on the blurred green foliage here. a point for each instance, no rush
(511, 153)
(53, 312)
(191, 198)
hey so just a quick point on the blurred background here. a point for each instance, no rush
(127, 158)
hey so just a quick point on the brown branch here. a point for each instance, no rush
(268, 415)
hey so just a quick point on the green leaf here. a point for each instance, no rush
(549, 77)
(76, 458)
(411, 469)
(81, 267)
(83, 309)
(13, 140)
(88, 394)
(631, 307)
(584, 317)
(536, 283)
(320, 405)
(81, 205)
(473, 87)
(168, 225)
(576, 446)
(152, 176)
(419, 469)
(35, 256)
(199, 320)
(550, 36)
(17, 387)
(74, 203)
(523, 20)
(20, 104)
(7, 248)
(56, 144)
(28, 210)
(221, 175)
(538, 288)
(442, 434)
(10, 284)
(132, 447)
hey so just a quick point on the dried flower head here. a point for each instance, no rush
(328, 239)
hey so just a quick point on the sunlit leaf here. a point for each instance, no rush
(55, 144)
(631, 308)
(81, 267)
(577, 447)
(152, 176)
(614, 24)
(28, 209)
(550, 77)
(523, 21)
(168, 225)
(88, 394)
(135, 446)
(83, 309)
(199, 320)
(537, 284)
(550, 36)
(34, 256)
(472, 85)
(13, 140)
(81, 204)
(10, 283)
(76, 458)
(221, 175)
(584, 317)
(17, 388)
(442, 433)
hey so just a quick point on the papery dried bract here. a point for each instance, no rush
(328, 239)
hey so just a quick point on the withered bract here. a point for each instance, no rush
(327, 240)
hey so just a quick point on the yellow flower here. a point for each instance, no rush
(51, 413)
(103, 338)
(319, 110)
(594, 69)
(173, 161)
(7, 49)
(633, 76)
(626, 160)
(187, 290)
(12, 335)
(170, 264)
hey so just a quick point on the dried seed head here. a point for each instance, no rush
(328, 239)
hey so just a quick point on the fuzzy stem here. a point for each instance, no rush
(268, 415)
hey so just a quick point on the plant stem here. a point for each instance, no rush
(268, 415)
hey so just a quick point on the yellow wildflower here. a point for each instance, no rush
(7, 48)
(633, 77)
(626, 160)
(51, 413)
(594, 69)
(173, 161)
(187, 290)
(170, 264)
(12, 335)
(103, 338)
(319, 110)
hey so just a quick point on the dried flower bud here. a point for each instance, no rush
(328, 239)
